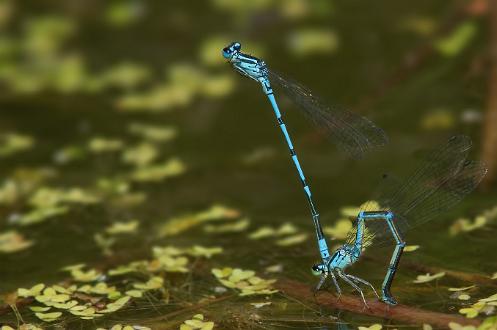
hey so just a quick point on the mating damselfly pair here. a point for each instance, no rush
(443, 179)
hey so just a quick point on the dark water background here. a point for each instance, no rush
(369, 42)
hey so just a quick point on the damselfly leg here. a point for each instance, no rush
(389, 218)
(360, 280)
(344, 277)
(322, 280)
(339, 291)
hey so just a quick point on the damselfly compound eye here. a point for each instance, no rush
(317, 269)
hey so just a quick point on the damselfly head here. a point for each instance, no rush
(318, 269)
(231, 50)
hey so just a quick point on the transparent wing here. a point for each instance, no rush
(351, 132)
(440, 183)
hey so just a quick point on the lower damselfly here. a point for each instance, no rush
(444, 178)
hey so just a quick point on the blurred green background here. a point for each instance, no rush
(123, 114)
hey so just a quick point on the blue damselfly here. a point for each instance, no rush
(444, 178)
(348, 130)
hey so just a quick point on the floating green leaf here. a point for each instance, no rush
(40, 215)
(278, 268)
(428, 277)
(244, 280)
(125, 75)
(22, 183)
(462, 288)
(313, 41)
(184, 82)
(48, 317)
(197, 322)
(84, 276)
(411, 248)
(12, 241)
(234, 227)
(260, 304)
(88, 313)
(153, 133)
(375, 326)
(130, 268)
(134, 293)
(353, 211)
(458, 40)
(50, 296)
(124, 12)
(263, 232)
(170, 264)
(178, 225)
(492, 298)
(490, 323)
(140, 155)
(104, 243)
(116, 305)
(206, 252)
(34, 291)
(171, 168)
(46, 197)
(128, 227)
(339, 230)
(266, 231)
(11, 143)
(438, 119)
(68, 154)
(39, 308)
(473, 310)
(155, 282)
(292, 240)
(101, 145)
(467, 225)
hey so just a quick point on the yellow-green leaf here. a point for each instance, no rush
(292, 240)
(123, 227)
(48, 317)
(12, 241)
(410, 248)
(428, 277)
(375, 326)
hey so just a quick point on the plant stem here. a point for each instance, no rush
(489, 136)
(354, 304)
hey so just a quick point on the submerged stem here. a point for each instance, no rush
(376, 308)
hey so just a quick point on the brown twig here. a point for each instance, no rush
(473, 278)
(489, 136)
(376, 308)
